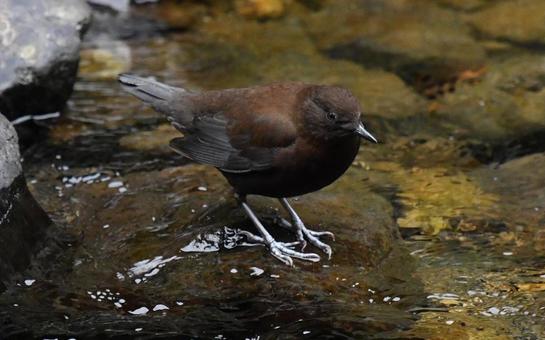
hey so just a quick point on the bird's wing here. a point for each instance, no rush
(217, 141)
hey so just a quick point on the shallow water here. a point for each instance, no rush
(439, 229)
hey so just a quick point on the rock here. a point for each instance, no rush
(245, 53)
(155, 140)
(463, 5)
(406, 37)
(38, 66)
(507, 102)
(177, 15)
(116, 5)
(22, 221)
(105, 59)
(432, 197)
(522, 191)
(520, 21)
(260, 9)
(133, 247)
(10, 166)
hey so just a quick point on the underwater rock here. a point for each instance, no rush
(507, 102)
(39, 66)
(22, 220)
(106, 59)
(405, 37)
(155, 140)
(242, 53)
(522, 191)
(521, 22)
(260, 9)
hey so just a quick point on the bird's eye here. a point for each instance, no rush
(331, 116)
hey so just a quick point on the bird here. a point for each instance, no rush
(278, 140)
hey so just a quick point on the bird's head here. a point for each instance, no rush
(333, 112)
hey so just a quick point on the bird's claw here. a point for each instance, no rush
(282, 250)
(303, 233)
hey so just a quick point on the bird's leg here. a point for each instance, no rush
(280, 250)
(302, 232)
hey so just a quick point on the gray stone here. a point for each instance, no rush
(22, 221)
(116, 5)
(10, 166)
(38, 67)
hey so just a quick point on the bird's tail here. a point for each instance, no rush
(147, 89)
(166, 99)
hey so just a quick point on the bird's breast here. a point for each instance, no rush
(302, 168)
(323, 162)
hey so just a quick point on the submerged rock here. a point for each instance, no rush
(522, 191)
(260, 8)
(410, 38)
(38, 66)
(22, 221)
(242, 53)
(520, 21)
(507, 102)
(105, 59)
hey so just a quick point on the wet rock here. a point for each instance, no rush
(22, 221)
(173, 15)
(105, 59)
(155, 140)
(260, 9)
(464, 5)
(522, 192)
(507, 102)
(39, 66)
(116, 5)
(430, 198)
(459, 325)
(410, 38)
(525, 72)
(146, 226)
(521, 22)
(116, 25)
(244, 53)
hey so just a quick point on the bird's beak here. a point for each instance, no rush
(360, 130)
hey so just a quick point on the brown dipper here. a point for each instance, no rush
(278, 140)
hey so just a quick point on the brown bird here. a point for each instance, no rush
(280, 140)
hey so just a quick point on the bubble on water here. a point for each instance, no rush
(115, 184)
(160, 307)
(139, 311)
(256, 271)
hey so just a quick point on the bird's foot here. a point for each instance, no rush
(282, 250)
(303, 233)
